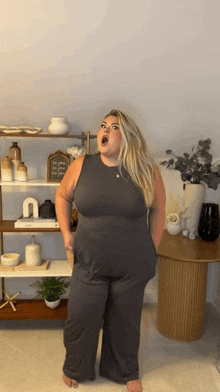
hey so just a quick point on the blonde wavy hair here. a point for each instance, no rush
(135, 157)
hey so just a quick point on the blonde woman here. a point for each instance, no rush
(120, 197)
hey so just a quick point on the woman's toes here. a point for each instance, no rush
(66, 380)
(74, 384)
(134, 386)
(69, 382)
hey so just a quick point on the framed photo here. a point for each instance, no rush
(57, 165)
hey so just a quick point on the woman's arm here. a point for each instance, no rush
(64, 198)
(156, 217)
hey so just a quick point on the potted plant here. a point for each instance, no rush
(51, 288)
(196, 171)
(198, 167)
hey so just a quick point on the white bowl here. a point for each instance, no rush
(10, 259)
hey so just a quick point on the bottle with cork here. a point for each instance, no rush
(15, 156)
(6, 169)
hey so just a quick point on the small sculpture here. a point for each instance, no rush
(26, 207)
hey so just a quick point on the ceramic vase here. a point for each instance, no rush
(22, 172)
(174, 228)
(6, 169)
(47, 210)
(53, 304)
(194, 197)
(33, 253)
(209, 222)
(58, 126)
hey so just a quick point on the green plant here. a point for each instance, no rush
(50, 288)
(198, 167)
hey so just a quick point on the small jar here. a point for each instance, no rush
(192, 234)
(22, 172)
(6, 169)
(185, 232)
(15, 155)
(33, 253)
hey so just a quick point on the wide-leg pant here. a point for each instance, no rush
(120, 299)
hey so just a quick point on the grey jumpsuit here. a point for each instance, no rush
(114, 259)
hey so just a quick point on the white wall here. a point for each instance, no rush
(157, 60)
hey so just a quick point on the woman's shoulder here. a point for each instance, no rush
(89, 158)
(80, 159)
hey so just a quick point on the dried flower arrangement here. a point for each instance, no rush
(173, 218)
(174, 211)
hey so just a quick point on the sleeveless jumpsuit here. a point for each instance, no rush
(114, 259)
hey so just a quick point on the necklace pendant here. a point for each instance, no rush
(117, 175)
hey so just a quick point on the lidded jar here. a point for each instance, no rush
(33, 253)
(58, 126)
(15, 155)
(6, 169)
(21, 172)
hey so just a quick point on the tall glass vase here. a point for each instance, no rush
(209, 222)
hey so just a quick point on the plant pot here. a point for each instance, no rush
(52, 305)
(194, 197)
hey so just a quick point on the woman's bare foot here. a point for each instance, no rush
(134, 386)
(69, 382)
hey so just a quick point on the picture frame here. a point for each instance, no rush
(57, 165)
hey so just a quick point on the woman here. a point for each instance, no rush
(114, 250)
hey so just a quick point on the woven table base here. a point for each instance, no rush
(181, 299)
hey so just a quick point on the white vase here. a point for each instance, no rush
(53, 304)
(58, 126)
(194, 197)
(174, 228)
(33, 254)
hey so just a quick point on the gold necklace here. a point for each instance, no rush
(117, 174)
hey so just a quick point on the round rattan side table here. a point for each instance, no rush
(182, 280)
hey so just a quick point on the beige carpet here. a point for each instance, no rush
(32, 354)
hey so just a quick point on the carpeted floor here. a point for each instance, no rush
(32, 354)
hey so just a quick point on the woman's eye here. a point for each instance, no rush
(103, 126)
(115, 127)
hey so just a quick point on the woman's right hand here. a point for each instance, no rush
(68, 241)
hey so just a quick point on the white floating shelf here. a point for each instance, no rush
(55, 268)
(34, 182)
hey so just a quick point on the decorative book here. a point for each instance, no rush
(36, 222)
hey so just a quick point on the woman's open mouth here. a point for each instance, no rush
(104, 141)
